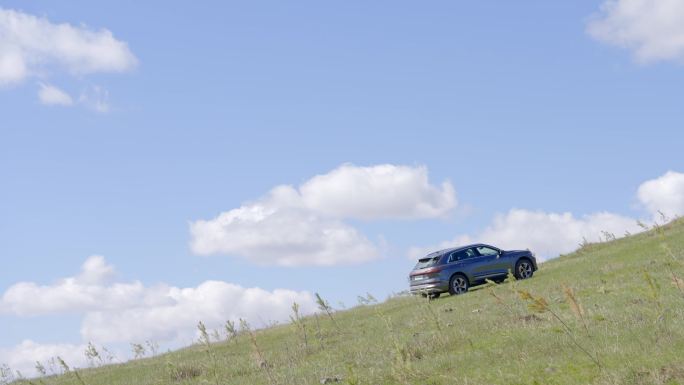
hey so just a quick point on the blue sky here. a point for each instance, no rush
(190, 110)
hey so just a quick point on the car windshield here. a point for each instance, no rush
(426, 262)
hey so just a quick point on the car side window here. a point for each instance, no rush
(486, 251)
(461, 255)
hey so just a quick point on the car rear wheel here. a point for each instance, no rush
(523, 269)
(458, 284)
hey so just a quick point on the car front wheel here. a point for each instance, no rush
(523, 269)
(458, 284)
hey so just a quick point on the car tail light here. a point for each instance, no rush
(432, 270)
(426, 272)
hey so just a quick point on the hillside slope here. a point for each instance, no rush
(626, 326)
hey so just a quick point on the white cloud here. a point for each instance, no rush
(23, 357)
(51, 95)
(652, 29)
(133, 312)
(546, 234)
(291, 227)
(31, 46)
(96, 271)
(285, 237)
(212, 302)
(378, 192)
(12, 67)
(552, 234)
(88, 291)
(95, 98)
(665, 194)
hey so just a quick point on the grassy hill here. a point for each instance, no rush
(610, 313)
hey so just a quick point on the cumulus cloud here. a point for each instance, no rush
(32, 46)
(303, 226)
(652, 29)
(547, 234)
(665, 194)
(378, 192)
(51, 95)
(552, 234)
(129, 312)
(88, 291)
(285, 237)
(121, 313)
(175, 319)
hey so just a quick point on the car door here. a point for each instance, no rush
(462, 260)
(488, 262)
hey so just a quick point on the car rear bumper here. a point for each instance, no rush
(429, 287)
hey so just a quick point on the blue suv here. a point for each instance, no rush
(457, 269)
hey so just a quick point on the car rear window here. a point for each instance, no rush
(426, 262)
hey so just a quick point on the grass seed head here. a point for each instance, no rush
(571, 300)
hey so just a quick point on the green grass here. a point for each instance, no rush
(634, 329)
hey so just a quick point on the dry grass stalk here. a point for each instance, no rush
(325, 306)
(575, 305)
(258, 355)
(491, 285)
(298, 321)
(231, 331)
(540, 305)
(655, 291)
(678, 282)
(204, 340)
(402, 369)
(68, 370)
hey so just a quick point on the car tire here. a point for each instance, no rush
(458, 284)
(523, 269)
